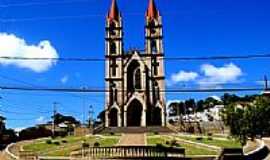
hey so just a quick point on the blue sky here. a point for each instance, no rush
(69, 28)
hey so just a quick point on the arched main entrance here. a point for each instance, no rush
(134, 113)
(157, 116)
(113, 117)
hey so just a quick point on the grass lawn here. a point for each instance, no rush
(190, 149)
(65, 148)
(224, 143)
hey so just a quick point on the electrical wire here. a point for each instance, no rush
(79, 90)
(85, 59)
(42, 3)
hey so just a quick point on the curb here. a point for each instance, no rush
(9, 153)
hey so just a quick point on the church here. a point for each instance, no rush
(134, 79)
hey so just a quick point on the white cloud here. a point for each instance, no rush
(216, 97)
(40, 119)
(183, 76)
(213, 76)
(64, 79)
(18, 129)
(12, 46)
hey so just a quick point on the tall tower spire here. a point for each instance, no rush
(152, 12)
(153, 30)
(114, 13)
(154, 50)
(114, 62)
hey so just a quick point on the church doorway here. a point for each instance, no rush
(113, 117)
(134, 113)
(157, 116)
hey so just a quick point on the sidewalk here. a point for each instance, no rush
(136, 139)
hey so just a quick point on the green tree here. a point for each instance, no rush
(250, 120)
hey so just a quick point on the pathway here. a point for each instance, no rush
(132, 139)
(2, 156)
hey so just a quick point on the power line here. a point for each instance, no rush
(77, 59)
(42, 3)
(12, 20)
(79, 90)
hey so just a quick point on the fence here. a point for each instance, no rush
(129, 152)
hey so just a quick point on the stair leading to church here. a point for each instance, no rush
(149, 129)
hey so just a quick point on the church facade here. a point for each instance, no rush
(134, 79)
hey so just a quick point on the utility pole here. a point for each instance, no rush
(53, 118)
(83, 99)
(91, 116)
(266, 82)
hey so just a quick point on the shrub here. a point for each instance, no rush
(156, 133)
(199, 138)
(85, 145)
(49, 141)
(64, 141)
(210, 138)
(173, 142)
(111, 133)
(96, 144)
(159, 145)
(167, 143)
(56, 143)
(210, 134)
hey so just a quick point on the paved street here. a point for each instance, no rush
(136, 139)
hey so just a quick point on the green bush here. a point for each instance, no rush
(111, 133)
(199, 138)
(173, 142)
(85, 145)
(49, 141)
(96, 144)
(156, 133)
(210, 138)
(159, 145)
(64, 141)
(56, 143)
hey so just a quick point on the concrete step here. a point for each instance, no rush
(157, 129)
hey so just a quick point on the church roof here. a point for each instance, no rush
(152, 11)
(114, 11)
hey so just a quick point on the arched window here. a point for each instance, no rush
(112, 28)
(157, 94)
(113, 93)
(152, 27)
(137, 78)
(112, 48)
(153, 45)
